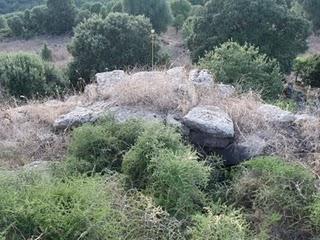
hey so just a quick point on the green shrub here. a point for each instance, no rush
(118, 41)
(22, 74)
(154, 138)
(315, 213)
(276, 195)
(101, 146)
(158, 11)
(308, 69)
(177, 180)
(167, 169)
(46, 53)
(286, 104)
(244, 65)
(3, 23)
(222, 226)
(27, 75)
(267, 24)
(32, 206)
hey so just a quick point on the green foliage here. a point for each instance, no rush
(315, 213)
(61, 14)
(180, 7)
(158, 11)
(227, 225)
(244, 65)
(312, 8)
(3, 23)
(267, 24)
(27, 75)
(286, 104)
(33, 206)
(167, 169)
(116, 42)
(7, 6)
(308, 69)
(101, 146)
(22, 74)
(46, 53)
(180, 11)
(177, 180)
(154, 138)
(276, 195)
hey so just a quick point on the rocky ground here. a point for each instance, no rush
(213, 116)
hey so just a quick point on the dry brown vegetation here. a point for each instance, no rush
(26, 136)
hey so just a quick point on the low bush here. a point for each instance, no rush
(177, 181)
(245, 66)
(275, 196)
(27, 75)
(46, 53)
(36, 207)
(154, 138)
(308, 69)
(227, 225)
(101, 146)
(162, 165)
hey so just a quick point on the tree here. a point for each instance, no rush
(118, 41)
(312, 8)
(180, 11)
(62, 15)
(157, 11)
(46, 53)
(265, 23)
(245, 66)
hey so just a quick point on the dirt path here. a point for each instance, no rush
(173, 44)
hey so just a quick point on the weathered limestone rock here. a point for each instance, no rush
(201, 77)
(209, 127)
(125, 113)
(275, 115)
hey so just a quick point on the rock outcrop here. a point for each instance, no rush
(209, 127)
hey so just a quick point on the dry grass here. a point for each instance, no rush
(26, 136)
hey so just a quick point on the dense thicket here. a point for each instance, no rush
(158, 11)
(267, 24)
(116, 42)
(245, 66)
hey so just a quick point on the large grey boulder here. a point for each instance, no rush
(209, 127)
(275, 115)
(106, 80)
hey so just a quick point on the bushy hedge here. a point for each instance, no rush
(245, 66)
(27, 75)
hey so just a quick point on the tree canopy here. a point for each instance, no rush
(268, 24)
(158, 11)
